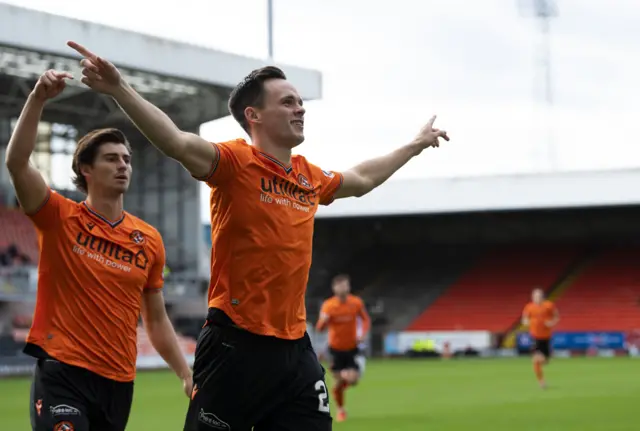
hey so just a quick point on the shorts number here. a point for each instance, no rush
(323, 403)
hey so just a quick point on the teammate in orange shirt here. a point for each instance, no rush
(255, 366)
(99, 268)
(341, 314)
(540, 316)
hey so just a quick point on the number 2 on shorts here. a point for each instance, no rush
(323, 403)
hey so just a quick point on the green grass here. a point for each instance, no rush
(585, 394)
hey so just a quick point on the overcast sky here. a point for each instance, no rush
(388, 66)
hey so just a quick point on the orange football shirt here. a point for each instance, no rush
(538, 315)
(342, 320)
(262, 215)
(91, 277)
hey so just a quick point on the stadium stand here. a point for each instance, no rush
(18, 239)
(490, 296)
(605, 296)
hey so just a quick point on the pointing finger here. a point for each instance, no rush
(431, 121)
(81, 50)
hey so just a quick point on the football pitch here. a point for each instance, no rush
(585, 394)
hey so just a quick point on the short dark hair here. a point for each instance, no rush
(250, 92)
(340, 278)
(87, 150)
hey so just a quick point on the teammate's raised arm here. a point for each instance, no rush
(366, 176)
(193, 152)
(30, 187)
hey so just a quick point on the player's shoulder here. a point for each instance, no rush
(237, 146)
(355, 299)
(61, 200)
(330, 301)
(549, 304)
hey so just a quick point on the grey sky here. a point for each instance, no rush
(389, 65)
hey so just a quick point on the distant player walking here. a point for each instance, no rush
(540, 316)
(342, 314)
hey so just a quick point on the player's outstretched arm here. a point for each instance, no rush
(163, 336)
(193, 152)
(361, 179)
(30, 187)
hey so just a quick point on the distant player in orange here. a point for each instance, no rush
(540, 316)
(341, 314)
(99, 268)
(255, 367)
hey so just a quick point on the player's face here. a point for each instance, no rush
(111, 170)
(537, 296)
(282, 114)
(341, 288)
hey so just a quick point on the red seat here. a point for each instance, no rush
(606, 295)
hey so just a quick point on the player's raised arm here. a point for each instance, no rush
(366, 176)
(31, 189)
(193, 152)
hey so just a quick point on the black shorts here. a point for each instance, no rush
(344, 359)
(243, 380)
(543, 347)
(68, 398)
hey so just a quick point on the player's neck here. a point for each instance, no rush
(109, 207)
(266, 145)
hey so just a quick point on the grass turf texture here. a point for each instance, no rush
(585, 394)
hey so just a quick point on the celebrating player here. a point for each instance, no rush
(341, 314)
(99, 266)
(541, 316)
(255, 366)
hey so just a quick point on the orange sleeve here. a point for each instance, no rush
(323, 319)
(331, 182)
(54, 208)
(526, 311)
(156, 274)
(226, 166)
(366, 320)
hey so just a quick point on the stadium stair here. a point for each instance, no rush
(553, 293)
(495, 289)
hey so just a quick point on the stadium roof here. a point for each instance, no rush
(47, 33)
(494, 193)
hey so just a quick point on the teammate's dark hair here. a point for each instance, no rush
(87, 150)
(340, 278)
(250, 93)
